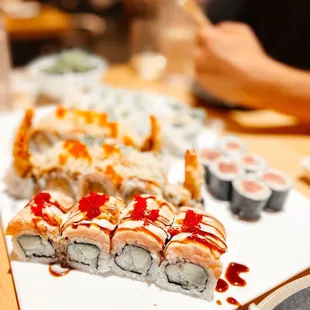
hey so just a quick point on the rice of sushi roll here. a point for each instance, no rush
(35, 228)
(232, 146)
(280, 185)
(222, 172)
(191, 262)
(253, 163)
(86, 234)
(139, 239)
(207, 157)
(249, 197)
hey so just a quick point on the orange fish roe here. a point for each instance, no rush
(139, 211)
(110, 150)
(102, 119)
(77, 149)
(88, 116)
(61, 112)
(113, 174)
(128, 141)
(113, 129)
(92, 203)
(62, 159)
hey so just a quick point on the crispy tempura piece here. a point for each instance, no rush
(154, 141)
(21, 154)
(193, 175)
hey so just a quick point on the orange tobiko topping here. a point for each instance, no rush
(113, 174)
(77, 149)
(92, 203)
(61, 112)
(113, 129)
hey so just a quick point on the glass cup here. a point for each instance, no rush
(176, 41)
(5, 71)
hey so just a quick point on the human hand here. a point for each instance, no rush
(230, 62)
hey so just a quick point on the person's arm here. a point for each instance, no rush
(232, 65)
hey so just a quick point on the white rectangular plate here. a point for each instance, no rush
(274, 248)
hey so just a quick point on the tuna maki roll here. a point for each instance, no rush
(232, 146)
(249, 197)
(222, 172)
(207, 157)
(280, 185)
(253, 163)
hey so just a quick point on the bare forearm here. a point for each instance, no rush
(284, 89)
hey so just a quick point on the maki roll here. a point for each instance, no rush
(85, 235)
(249, 197)
(207, 157)
(280, 185)
(253, 163)
(36, 228)
(139, 239)
(191, 260)
(222, 172)
(232, 146)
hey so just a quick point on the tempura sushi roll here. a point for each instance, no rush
(140, 237)
(86, 235)
(249, 197)
(36, 228)
(280, 185)
(222, 172)
(252, 163)
(207, 157)
(191, 261)
(232, 146)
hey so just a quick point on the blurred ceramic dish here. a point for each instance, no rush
(293, 296)
(181, 124)
(55, 81)
(21, 10)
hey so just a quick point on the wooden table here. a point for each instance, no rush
(283, 147)
(49, 23)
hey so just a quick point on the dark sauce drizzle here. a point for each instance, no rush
(55, 273)
(221, 286)
(232, 274)
(233, 301)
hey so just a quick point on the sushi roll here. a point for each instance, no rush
(232, 146)
(249, 197)
(222, 172)
(191, 260)
(140, 237)
(85, 236)
(280, 185)
(253, 163)
(36, 228)
(207, 157)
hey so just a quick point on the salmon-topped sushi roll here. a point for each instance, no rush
(36, 228)
(191, 260)
(85, 235)
(140, 237)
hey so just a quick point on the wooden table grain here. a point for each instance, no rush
(282, 147)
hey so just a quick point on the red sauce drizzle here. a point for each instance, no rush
(252, 186)
(232, 274)
(57, 274)
(92, 203)
(228, 168)
(233, 301)
(221, 286)
(139, 211)
(41, 200)
(219, 302)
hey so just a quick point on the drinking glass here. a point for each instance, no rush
(5, 69)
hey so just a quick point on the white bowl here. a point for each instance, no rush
(57, 85)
